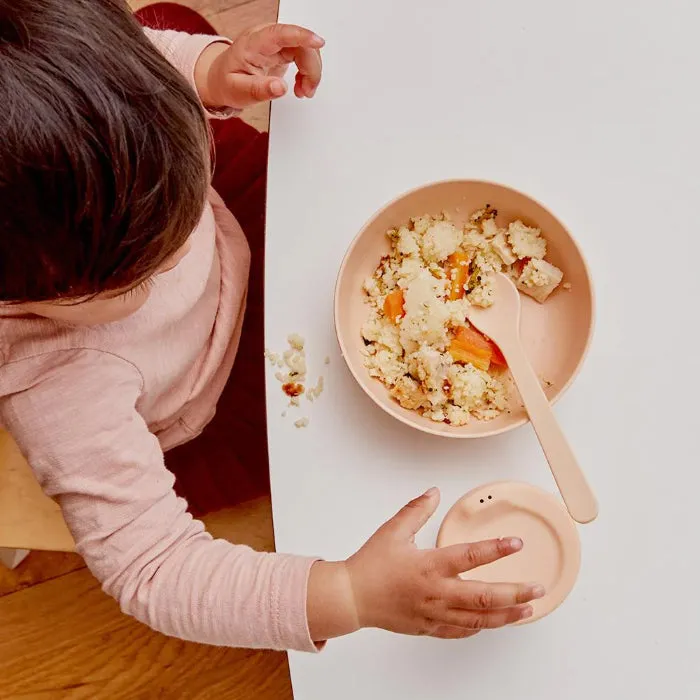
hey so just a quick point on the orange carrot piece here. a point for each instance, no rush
(470, 337)
(519, 265)
(393, 306)
(497, 357)
(480, 359)
(468, 345)
(470, 342)
(458, 273)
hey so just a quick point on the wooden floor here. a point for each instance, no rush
(61, 638)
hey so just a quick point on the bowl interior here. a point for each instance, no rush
(555, 335)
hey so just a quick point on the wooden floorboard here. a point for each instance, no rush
(65, 638)
(239, 16)
(37, 568)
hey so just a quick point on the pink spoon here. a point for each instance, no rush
(501, 323)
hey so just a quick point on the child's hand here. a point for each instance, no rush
(250, 70)
(392, 584)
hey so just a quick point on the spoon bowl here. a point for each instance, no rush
(501, 321)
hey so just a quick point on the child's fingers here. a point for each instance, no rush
(411, 518)
(458, 558)
(303, 87)
(249, 89)
(476, 595)
(486, 619)
(310, 67)
(276, 37)
(299, 88)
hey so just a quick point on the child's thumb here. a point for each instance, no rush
(411, 518)
(249, 89)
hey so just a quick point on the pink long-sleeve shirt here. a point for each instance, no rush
(94, 408)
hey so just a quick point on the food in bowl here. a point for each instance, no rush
(418, 342)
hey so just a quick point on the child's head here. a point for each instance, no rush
(104, 159)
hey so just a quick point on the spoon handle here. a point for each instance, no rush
(572, 484)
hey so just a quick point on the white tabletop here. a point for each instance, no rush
(593, 108)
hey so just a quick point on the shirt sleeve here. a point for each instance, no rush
(74, 416)
(183, 51)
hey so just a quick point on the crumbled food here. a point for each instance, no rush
(406, 242)
(314, 392)
(567, 286)
(293, 360)
(454, 415)
(539, 279)
(301, 423)
(503, 248)
(482, 215)
(440, 241)
(292, 372)
(296, 342)
(327, 361)
(418, 341)
(292, 389)
(296, 362)
(526, 242)
(409, 393)
(490, 228)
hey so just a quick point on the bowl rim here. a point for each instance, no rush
(390, 409)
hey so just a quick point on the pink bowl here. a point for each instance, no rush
(556, 335)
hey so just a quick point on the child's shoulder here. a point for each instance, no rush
(23, 336)
(34, 353)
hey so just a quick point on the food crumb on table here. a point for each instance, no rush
(301, 423)
(292, 389)
(296, 341)
(314, 392)
(273, 357)
(292, 372)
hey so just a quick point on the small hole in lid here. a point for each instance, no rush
(481, 501)
(490, 497)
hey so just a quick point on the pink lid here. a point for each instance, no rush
(552, 551)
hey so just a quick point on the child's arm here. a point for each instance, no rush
(232, 75)
(73, 414)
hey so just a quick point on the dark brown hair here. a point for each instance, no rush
(104, 151)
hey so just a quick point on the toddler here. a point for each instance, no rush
(122, 292)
